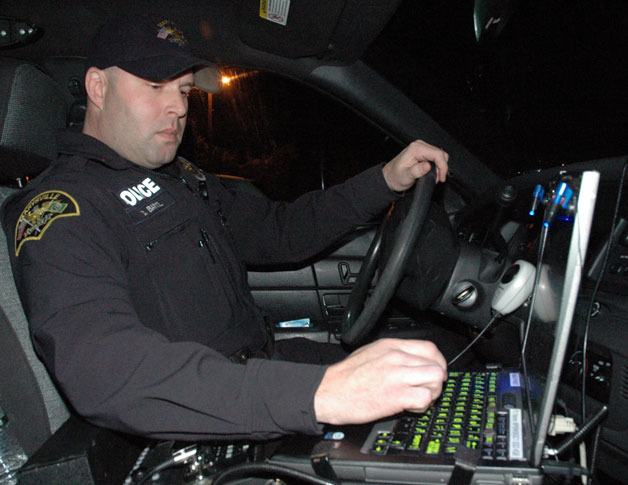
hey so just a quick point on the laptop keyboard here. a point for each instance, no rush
(465, 415)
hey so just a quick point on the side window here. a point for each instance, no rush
(286, 138)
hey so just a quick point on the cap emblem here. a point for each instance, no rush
(168, 31)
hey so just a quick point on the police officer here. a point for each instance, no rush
(131, 267)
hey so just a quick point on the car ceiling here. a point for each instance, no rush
(227, 31)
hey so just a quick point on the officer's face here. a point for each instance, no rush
(144, 120)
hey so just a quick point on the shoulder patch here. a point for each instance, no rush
(39, 214)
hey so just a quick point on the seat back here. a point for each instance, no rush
(33, 107)
(21, 396)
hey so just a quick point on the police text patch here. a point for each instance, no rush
(39, 214)
(146, 188)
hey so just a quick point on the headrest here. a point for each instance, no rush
(69, 74)
(33, 108)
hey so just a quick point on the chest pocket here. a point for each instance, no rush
(179, 288)
(160, 228)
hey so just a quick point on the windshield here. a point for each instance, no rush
(552, 88)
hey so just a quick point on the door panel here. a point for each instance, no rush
(319, 291)
(267, 280)
(290, 305)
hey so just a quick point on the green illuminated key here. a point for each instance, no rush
(416, 442)
(433, 447)
(472, 445)
(396, 443)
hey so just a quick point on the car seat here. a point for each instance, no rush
(33, 107)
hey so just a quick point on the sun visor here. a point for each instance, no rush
(332, 29)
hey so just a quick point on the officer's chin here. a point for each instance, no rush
(156, 162)
(164, 157)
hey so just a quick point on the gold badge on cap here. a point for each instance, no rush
(39, 214)
(168, 31)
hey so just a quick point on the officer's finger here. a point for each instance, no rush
(417, 399)
(431, 375)
(440, 159)
(442, 165)
(424, 152)
(422, 348)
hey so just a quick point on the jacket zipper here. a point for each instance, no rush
(206, 243)
(215, 253)
(151, 244)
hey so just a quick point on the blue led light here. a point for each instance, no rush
(565, 218)
(563, 195)
(561, 189)
(537, 198)
(538, 193)
(546, 224)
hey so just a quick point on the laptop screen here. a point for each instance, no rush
(563, 234)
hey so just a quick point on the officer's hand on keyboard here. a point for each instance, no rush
(381, 379)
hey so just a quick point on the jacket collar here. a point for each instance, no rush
(74, 143)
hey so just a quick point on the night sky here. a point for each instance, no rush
(552, 88)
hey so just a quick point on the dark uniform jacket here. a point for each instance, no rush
(134, 284)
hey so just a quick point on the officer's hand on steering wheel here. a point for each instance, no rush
(412, 163)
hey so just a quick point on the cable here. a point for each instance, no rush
(138, 463)
(596, 443)
(162, 466)
(179, 457)
(255, 469)
(524, 344)
(579, 435)
(491, 321)
(600, 277)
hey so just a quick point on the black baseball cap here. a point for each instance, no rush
(150, 49)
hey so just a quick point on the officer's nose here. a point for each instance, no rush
(178, 104)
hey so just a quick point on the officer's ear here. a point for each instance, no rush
(96, 86)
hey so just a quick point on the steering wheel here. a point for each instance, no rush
(359, 319)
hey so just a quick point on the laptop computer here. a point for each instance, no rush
(494, 422)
